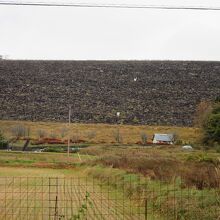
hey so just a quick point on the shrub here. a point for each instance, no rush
(135, 120)
(28, 132)
(218, 149)
(41, 133)
(1, 136)
(54, 149)
(199, 170)
(75, 137)
(202, 111)
(20, 131)
(117, 136)
(63, 132)
(3, 141)
(178, 142)
(211, 126)
(156, 168)
(202, 175)
(144, 138)
(53, 135)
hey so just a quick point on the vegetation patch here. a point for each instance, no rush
(198, 169)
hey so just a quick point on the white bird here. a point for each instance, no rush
(135, 79)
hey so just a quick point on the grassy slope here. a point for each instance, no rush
(104, 132)
(41, 160)
(36, 172)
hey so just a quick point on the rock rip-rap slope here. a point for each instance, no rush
(163, 92)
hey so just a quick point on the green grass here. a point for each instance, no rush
(37, 172)
(135, 172)
(169, 200)
(74, 185)
(166, 198)
(42, 160)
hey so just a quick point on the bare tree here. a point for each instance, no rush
(28, 131)
(203, 109)
(117, 136)
(144, 138)
(63, 132)
(53, 134)
(19, 131)
(41, 133)
(75, 137)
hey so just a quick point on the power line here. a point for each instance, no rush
(92, 5)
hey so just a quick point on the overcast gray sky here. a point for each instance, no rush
(28, 32)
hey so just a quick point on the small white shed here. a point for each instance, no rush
(163, 139)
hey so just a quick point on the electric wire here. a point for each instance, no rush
(125, 6)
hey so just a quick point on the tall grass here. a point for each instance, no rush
(103, 132)
(171, 200)
(197, 169)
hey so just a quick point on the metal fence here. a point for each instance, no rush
(55, 198)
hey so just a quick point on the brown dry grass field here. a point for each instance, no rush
(103, 132)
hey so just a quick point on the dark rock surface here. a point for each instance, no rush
(165, 92)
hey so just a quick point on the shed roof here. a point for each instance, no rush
(163, 137)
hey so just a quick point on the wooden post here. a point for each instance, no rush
(68, 148)
(146, 214)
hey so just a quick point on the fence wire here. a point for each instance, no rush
(55, 198)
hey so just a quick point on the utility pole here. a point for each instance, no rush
(118, 123)
(68, 147)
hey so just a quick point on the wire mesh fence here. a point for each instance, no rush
(56, 198)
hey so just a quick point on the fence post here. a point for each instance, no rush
(56, 202)
(146, 214)
(56, 210)
(49, 199)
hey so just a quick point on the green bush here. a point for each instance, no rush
(54, 149)
(218, 149)
(3, 141)
(211, 127)
(3, 144)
